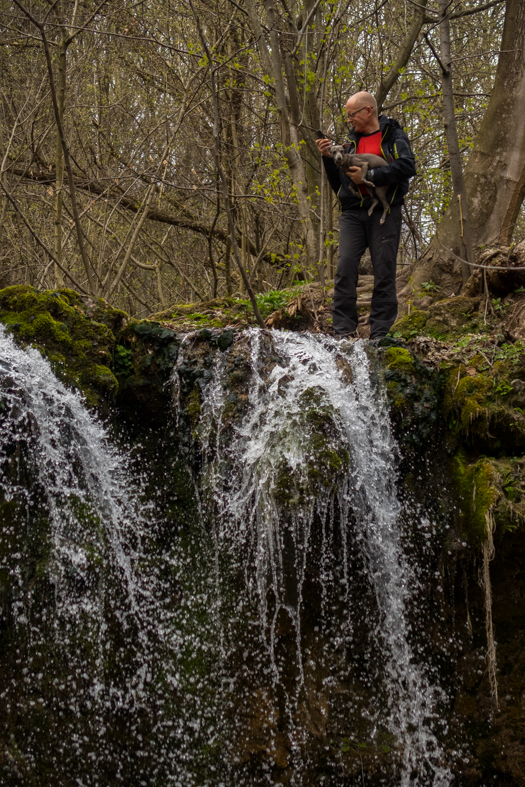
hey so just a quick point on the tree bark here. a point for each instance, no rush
(403, 54)
(59, 163)
(495, 172)
(458, 184)
(277, 67)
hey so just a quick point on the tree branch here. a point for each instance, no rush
(40, 242)
(226, 196)
(65, 149)
(405, 50)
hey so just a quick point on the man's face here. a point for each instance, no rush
(358, 114)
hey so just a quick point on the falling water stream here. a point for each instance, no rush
(259, 645)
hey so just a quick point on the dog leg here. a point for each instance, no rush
(381, 194)
(375, 201)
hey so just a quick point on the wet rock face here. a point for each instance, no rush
(442, 418)
(256, 379)
(414, 394)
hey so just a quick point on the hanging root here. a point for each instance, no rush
(465, 587)
(488, 554)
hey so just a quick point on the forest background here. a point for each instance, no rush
(163, 151)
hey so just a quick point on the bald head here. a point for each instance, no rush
(361, 110)
(364, 99)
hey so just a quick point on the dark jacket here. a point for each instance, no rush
(402, 166)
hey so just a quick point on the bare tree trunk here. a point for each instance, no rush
(274, 66)
(59, 164)
(227, 268)
(222, 175)
(495, 172)
(403, 54)
(451, 131)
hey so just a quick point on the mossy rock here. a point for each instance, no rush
(414, 393)
(327, 456)
(75, 333)
(445, 320)
(484, 407)
(410, 325)
(489, 491)
(145, 355)
(467, 396)
(453, 317)
(399, 358)
(215, 313)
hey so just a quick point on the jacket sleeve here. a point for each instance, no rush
(332, 172)
(402, 168)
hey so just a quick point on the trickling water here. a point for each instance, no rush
(270, 635)
(270, 497)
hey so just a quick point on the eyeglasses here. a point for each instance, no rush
(350, 115)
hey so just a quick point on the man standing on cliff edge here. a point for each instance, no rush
(357, 230)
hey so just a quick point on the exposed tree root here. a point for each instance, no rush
(488, 554)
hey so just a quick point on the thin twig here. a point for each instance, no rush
(40, 242)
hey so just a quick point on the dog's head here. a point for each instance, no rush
(338, 152)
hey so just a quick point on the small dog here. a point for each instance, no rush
(365, 161)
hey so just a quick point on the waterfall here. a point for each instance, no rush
(95, 664)
(274, 446)
(266, 638)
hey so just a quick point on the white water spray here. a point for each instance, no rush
(145, 639)
(273, 439)
(116, 651)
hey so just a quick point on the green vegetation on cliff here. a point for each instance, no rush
(76, 334)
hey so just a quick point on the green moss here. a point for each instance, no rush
(477, 485)
(101, 378)
(468, 398)
(483, 406)
(43, 327)
(81, 347)
(399, 358)
(74, 332)
(489, 486)
(445, 320)
(193, 405)
(454, 317)
(410, 325)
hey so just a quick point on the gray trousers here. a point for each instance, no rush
(357, 232)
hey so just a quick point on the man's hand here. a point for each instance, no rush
(355, 175)
(325, 146)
